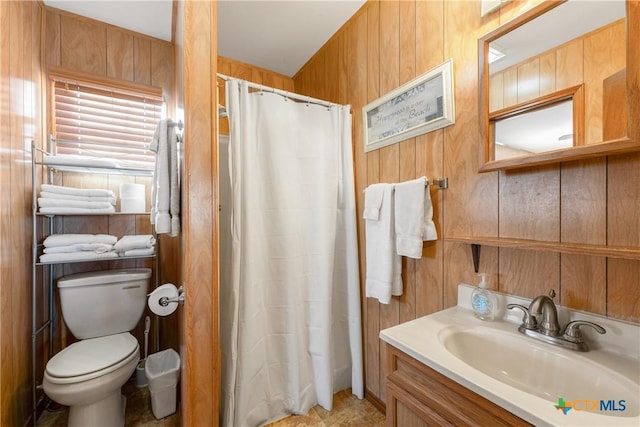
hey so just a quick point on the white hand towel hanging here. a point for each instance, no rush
(413, 217)
(383, 275)
(165, 191)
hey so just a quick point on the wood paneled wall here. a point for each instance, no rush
(20, 123)
(93, 47)
(594, 201)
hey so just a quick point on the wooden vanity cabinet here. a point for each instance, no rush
(419, 396)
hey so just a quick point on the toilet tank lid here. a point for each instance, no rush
(102, 277)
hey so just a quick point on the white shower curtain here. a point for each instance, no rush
(290, 308)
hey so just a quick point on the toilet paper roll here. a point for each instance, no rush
(132, 191)
(167, 290)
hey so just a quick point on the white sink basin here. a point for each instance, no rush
(538, 368)
(528, 377)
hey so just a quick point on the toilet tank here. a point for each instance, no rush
(103, 302)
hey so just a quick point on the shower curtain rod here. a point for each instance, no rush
(286, 94)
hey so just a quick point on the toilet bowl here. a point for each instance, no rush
(87, 376)
(99, 308)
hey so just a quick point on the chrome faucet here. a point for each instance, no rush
(548, 328)
(543, 305)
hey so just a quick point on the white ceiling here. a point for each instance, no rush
(280, 36)
(150, 17)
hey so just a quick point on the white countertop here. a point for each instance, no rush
(618, 350)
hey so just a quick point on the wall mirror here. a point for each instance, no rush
(558, 83)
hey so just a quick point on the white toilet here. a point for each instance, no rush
(99, 308)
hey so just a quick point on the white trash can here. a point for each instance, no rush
(162, 370)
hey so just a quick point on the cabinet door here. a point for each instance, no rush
(419, 396)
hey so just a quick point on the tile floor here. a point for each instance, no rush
(138, 412)
(348, 410)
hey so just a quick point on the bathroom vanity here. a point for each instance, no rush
(450, 368)
(420, 396)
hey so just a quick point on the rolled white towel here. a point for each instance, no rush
(86, 192)
(80, 247)
(76, 256)
(72, 239)
(49, 195)
(127, 243)
(72, 211)
(45, 202)
(139, 252)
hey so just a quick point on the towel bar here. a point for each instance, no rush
(442, 183)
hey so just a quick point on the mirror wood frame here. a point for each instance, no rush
(626, 144)
(575, 94)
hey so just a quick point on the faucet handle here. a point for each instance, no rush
(572, 330)
(528, 320)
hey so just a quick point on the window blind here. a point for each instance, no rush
(97, 120)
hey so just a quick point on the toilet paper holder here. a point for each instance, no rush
(165, 301)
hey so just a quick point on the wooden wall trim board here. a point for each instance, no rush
(199, 347)
(571, 209)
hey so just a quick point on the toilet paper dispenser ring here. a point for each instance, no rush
(165, 301)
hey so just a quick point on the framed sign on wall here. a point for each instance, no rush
(424, 104)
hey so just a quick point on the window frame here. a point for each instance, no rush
(101, 83)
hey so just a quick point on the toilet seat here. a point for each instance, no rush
(92, 358)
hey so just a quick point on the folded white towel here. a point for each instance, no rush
(49, 195)
(127, 243)
(76, 160)
(75, 211)
(45, 202)
(383, 275)
(373, 201)
(139, 252)
(86, 192)
(98, 248)
(72, 239)
(409, 216)
(76, 256)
